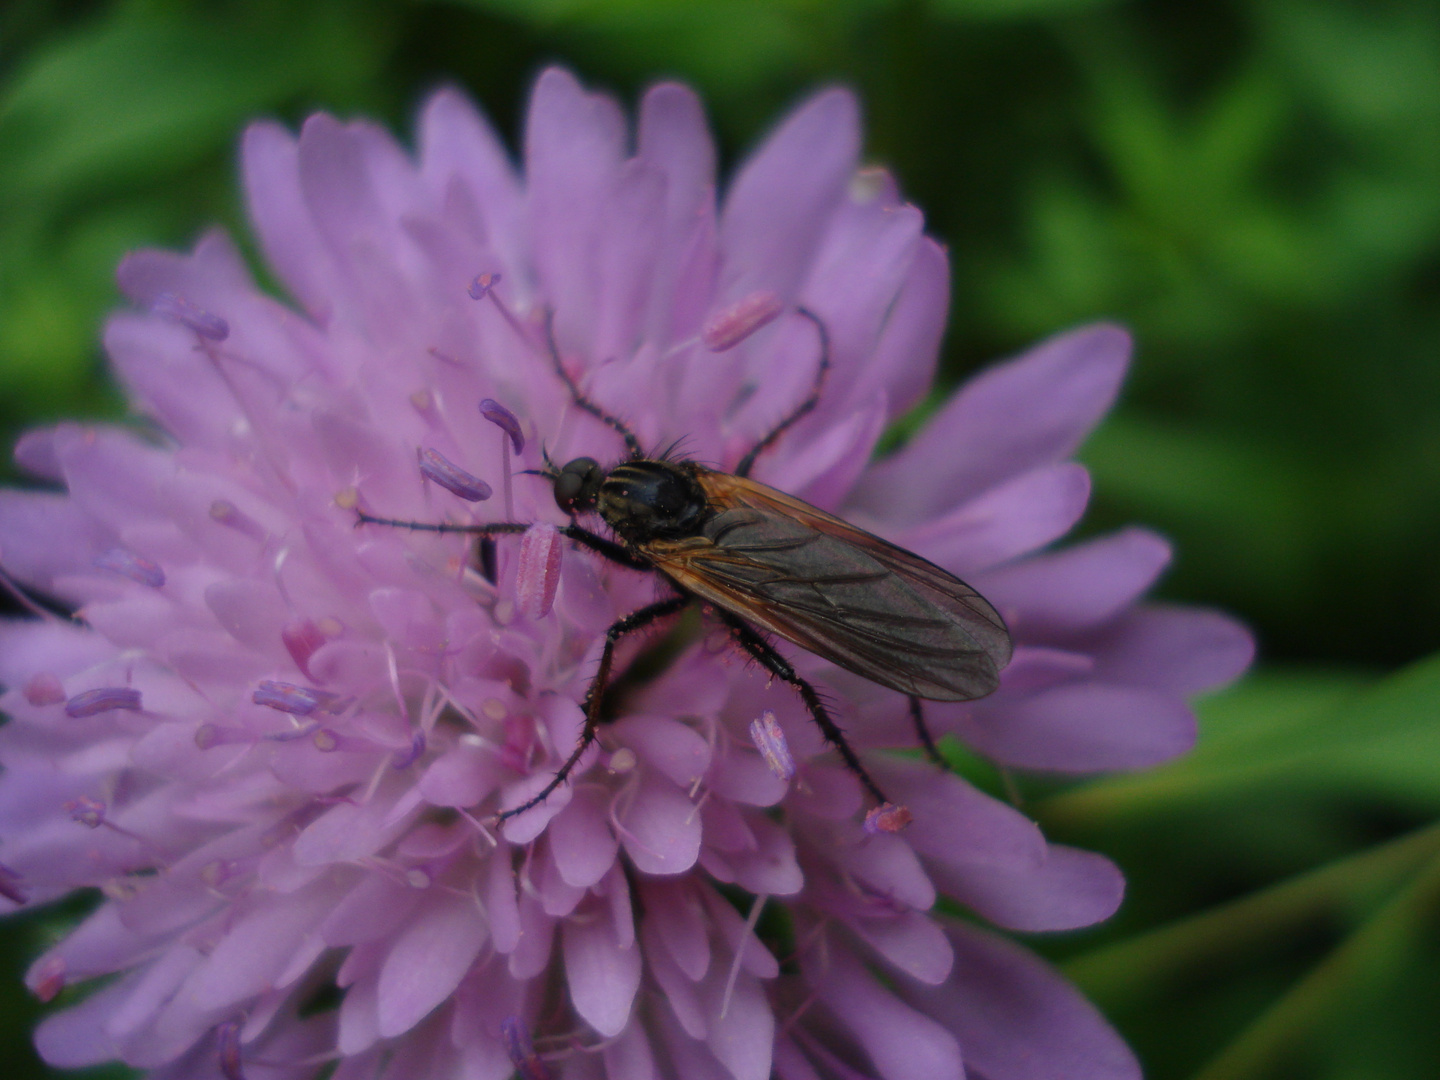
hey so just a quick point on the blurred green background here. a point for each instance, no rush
(1253, 186)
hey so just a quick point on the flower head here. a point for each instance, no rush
(277, 743)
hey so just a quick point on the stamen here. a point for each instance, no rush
(726, 329)
(521, 1050)
(10, 885)
(435, 466)
(86, 810)
(230, 515)
(887, 818)
(301, 639)
(207, 325)
(136, 567)
(44, 689)
(511, 435)
(769, 739)
(49, 978)
(505, 420)
(89, 703)
(481, 286)
(289, 698)
(538, 575)
(227, 1043)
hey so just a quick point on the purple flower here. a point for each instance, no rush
(252, 861)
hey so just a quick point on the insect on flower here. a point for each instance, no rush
(769, 562)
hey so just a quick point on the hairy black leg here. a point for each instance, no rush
(632, 444)
(598, 544)
(753, 642)
(926, 739)
(594, 697)
(821, 370)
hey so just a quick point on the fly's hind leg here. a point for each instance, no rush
(922, 732)
(754, 643)
(594, 697)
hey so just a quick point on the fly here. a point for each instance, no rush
(769, 563)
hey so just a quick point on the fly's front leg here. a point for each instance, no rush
(595, 696)
(753, 642)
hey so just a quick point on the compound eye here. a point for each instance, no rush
(573, 480)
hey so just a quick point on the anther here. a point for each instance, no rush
(87, 811)
(521, 1050)
(505, 420)
(887, 818)
(135, 567)
(89, 703)
(481, 286)
(227, 1048)
(435, 466)
(289, 698)
(726, 329)
(43, 689)
(176, 308)
(769, 739)
(538, 575)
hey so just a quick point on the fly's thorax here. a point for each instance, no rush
(647, 500)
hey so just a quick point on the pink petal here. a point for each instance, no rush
(1018, 1019)
(427, 960)
(1071, 889)
(777, 207)
(678, 919)
(1180, 650)
(1020, 515)
(1065, 591)
(581, 841)
(902, 1043)
(662, 828)
(602, 977)
(1015, 417)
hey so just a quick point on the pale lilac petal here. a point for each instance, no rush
(427, 961)
(911, 941)
(581, 841)
(1018, 416)
(1071, 889)
(1182, 650)
(777, 206)
(602, 976)
(1017, 1019)
(1074, 589)
(1020, 515)
(1089, 727)
(661, 828)
(901, 1042)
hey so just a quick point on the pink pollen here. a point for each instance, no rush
(769, 739)
(89, 703)
(135, 567)
(887, 818)
(726, 329)
(435, 466)
(538, 575)
(44, 689)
